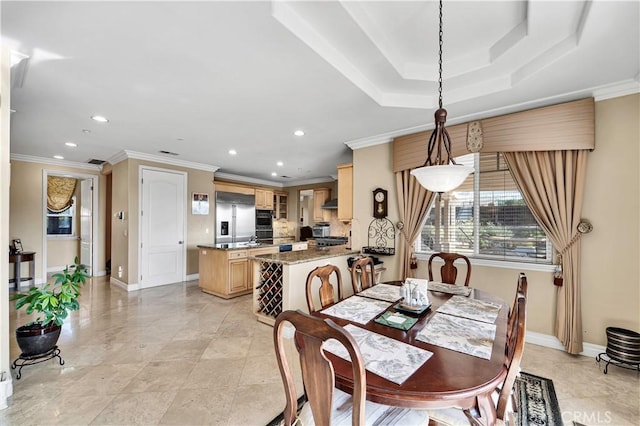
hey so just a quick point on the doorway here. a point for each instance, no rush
(60, 244)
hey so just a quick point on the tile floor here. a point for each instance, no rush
(174, 355)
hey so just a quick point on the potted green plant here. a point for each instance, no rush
(53, 302)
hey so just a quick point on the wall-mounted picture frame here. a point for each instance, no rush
(199, 203)
(17, 246)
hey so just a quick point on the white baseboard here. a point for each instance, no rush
(548, 341)
(6, 390)
(100, 273)
(56, 268)
(193, 277)
(122, 285)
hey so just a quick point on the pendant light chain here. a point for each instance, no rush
(440, 60)
(440, 173)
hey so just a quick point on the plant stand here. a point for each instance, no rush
(622, 364)
(25, 360)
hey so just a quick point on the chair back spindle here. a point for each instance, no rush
(366, 269)
(448, 271)
(326, 290)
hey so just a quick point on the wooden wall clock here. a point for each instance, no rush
(379, 203)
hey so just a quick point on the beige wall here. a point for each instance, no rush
(610, 254)
(26, 211)
(119, 229)
(372, 168)
(125, 236)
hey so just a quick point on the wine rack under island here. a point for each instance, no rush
(280, 278)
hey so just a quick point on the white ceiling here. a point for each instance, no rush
(201, 78)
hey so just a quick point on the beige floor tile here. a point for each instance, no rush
(145, 408)
(70, 410)
(193, 406)
(260, 370)
(160, 376)
(182, 350)
(215, 373)
(227, 347)
(104, 380)
(248, 410)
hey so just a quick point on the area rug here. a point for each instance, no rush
(536, 397)
(537, 401)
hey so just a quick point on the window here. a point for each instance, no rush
(486, 217)
(62, 223)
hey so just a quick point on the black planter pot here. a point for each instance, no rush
(35, 340)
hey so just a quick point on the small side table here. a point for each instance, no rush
(17, 259)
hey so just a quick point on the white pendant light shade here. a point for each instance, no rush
(442, 178)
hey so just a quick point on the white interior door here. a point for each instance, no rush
(86, 228)
(162, 225)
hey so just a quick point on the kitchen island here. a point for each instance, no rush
(280, 278)
(225, 269)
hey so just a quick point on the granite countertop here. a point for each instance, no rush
(235, 246)
(302, 256)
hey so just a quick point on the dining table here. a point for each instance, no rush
(448, 378)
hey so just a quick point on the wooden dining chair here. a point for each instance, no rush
(521, 289)
(366, 269)
(326, 290)
(327, 405)
(448, 271)
(514, 348)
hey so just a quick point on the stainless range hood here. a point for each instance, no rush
(331, 204)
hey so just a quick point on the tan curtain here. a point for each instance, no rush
(413, 203)
(60, 192)
(552, 184)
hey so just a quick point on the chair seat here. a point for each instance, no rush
(375, 414)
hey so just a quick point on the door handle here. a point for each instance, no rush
(180, 242)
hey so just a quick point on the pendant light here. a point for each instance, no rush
(440, 172)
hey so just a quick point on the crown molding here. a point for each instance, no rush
(617, 90)
(126, 154)
(246, 179)
(600, 93)
(54, 162)
(327, 179)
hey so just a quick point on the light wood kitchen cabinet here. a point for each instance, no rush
(320, 198)
(345, 192)
(280, 205)
(264, 199)
(226, 273)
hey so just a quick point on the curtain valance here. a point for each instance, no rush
(567, 126)
(60, 192)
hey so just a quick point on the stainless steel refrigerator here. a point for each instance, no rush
(235, 217)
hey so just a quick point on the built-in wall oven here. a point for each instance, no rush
(264, 225)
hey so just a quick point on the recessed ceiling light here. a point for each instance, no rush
(71, 144)
(100, 119)
(274, 174)
(179, 139)
(232, 152)
(86, 131)
(280, 163)
(58, 157)
(299, 133)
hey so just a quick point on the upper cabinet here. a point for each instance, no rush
(280, 204)
(320, 197)
(345, 192)
(264, 199)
